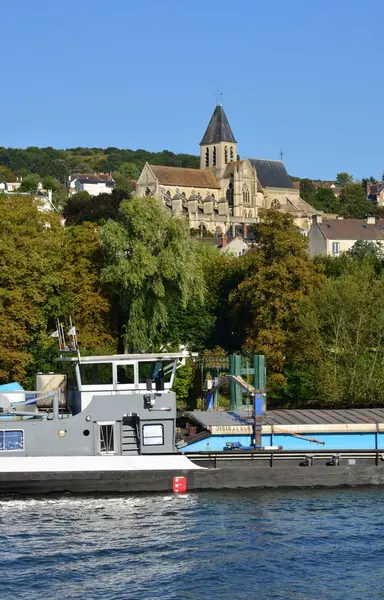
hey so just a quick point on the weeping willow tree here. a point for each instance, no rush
(150, 262)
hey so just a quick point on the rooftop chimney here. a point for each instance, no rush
(317, 219)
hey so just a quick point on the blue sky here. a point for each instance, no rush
(304, 76)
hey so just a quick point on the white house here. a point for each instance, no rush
(93, 183)
(333, 236)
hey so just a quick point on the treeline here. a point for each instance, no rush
(134, 280)
(61, 163)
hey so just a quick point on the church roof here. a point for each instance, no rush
(218, 129)
(271, 173)
(195, 178)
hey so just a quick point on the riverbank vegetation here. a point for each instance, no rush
(134, 280)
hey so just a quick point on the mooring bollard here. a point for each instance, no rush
(179, 485)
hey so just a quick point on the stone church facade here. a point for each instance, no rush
(224, 192)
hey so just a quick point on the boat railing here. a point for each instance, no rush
(28, 403)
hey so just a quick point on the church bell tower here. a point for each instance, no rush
(218, 146)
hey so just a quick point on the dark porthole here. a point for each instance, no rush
(86, 432)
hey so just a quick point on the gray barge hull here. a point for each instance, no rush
(222, 471)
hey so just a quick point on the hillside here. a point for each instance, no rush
(60, 163)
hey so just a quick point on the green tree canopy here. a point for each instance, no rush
(30, 260)
(30, 183)
(129, 170)
(343, 178)
(81, 207)
(277, 275)
(340, 343)
(307, 190)
(150, 261)
(354, 203)
(6, 174)
(325, 200)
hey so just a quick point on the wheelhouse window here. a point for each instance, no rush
(153, 435)
(155, 370)
(107, 438)
(11, 439)
(96, 374)
(125, 374)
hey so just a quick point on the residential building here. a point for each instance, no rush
(375, 193)
(333, 236)
(225, 191)
(93, 183)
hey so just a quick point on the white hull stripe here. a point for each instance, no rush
(43, 464)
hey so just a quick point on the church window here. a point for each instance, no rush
(183, 194)
(147, 191)
(169, 194)
(245, 194)
(232, 154)
(229, 194)
(214, 156)
(226, 155)
(249, 213)
(275, 204)
(207, 157)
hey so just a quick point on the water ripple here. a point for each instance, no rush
(232, 545)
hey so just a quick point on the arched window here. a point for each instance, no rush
(232, 154)
(245, 194)
(249, 213)
(275, 204)
(229, 193)
(214, 156)
(226, 155)
(183, 194)
(207, 157)
(169, 194)
(147, 191)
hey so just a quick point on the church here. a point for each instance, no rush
(225, 192)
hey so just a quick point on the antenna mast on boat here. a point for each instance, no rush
(71, 345)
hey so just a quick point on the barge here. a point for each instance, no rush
(108, 424)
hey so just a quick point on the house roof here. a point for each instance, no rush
(299, 205)
(218, 130)
(271, 173)
(352, 229)
(195, 178)
(94, 178)
(289, 417)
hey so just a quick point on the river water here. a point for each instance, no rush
(241, 545)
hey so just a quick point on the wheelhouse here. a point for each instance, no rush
(118, 374)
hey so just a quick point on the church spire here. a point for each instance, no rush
(218, 130)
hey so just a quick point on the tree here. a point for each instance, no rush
(325, 200)
(129, 170)
(6, 174)
(50, 183)
(343, 179)
(30, 183)
(30, 251)
(150, 261)
(340, 344)
(307, 190)
(83, 207)
(277, 275)
(354, 203)
(82, 294)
